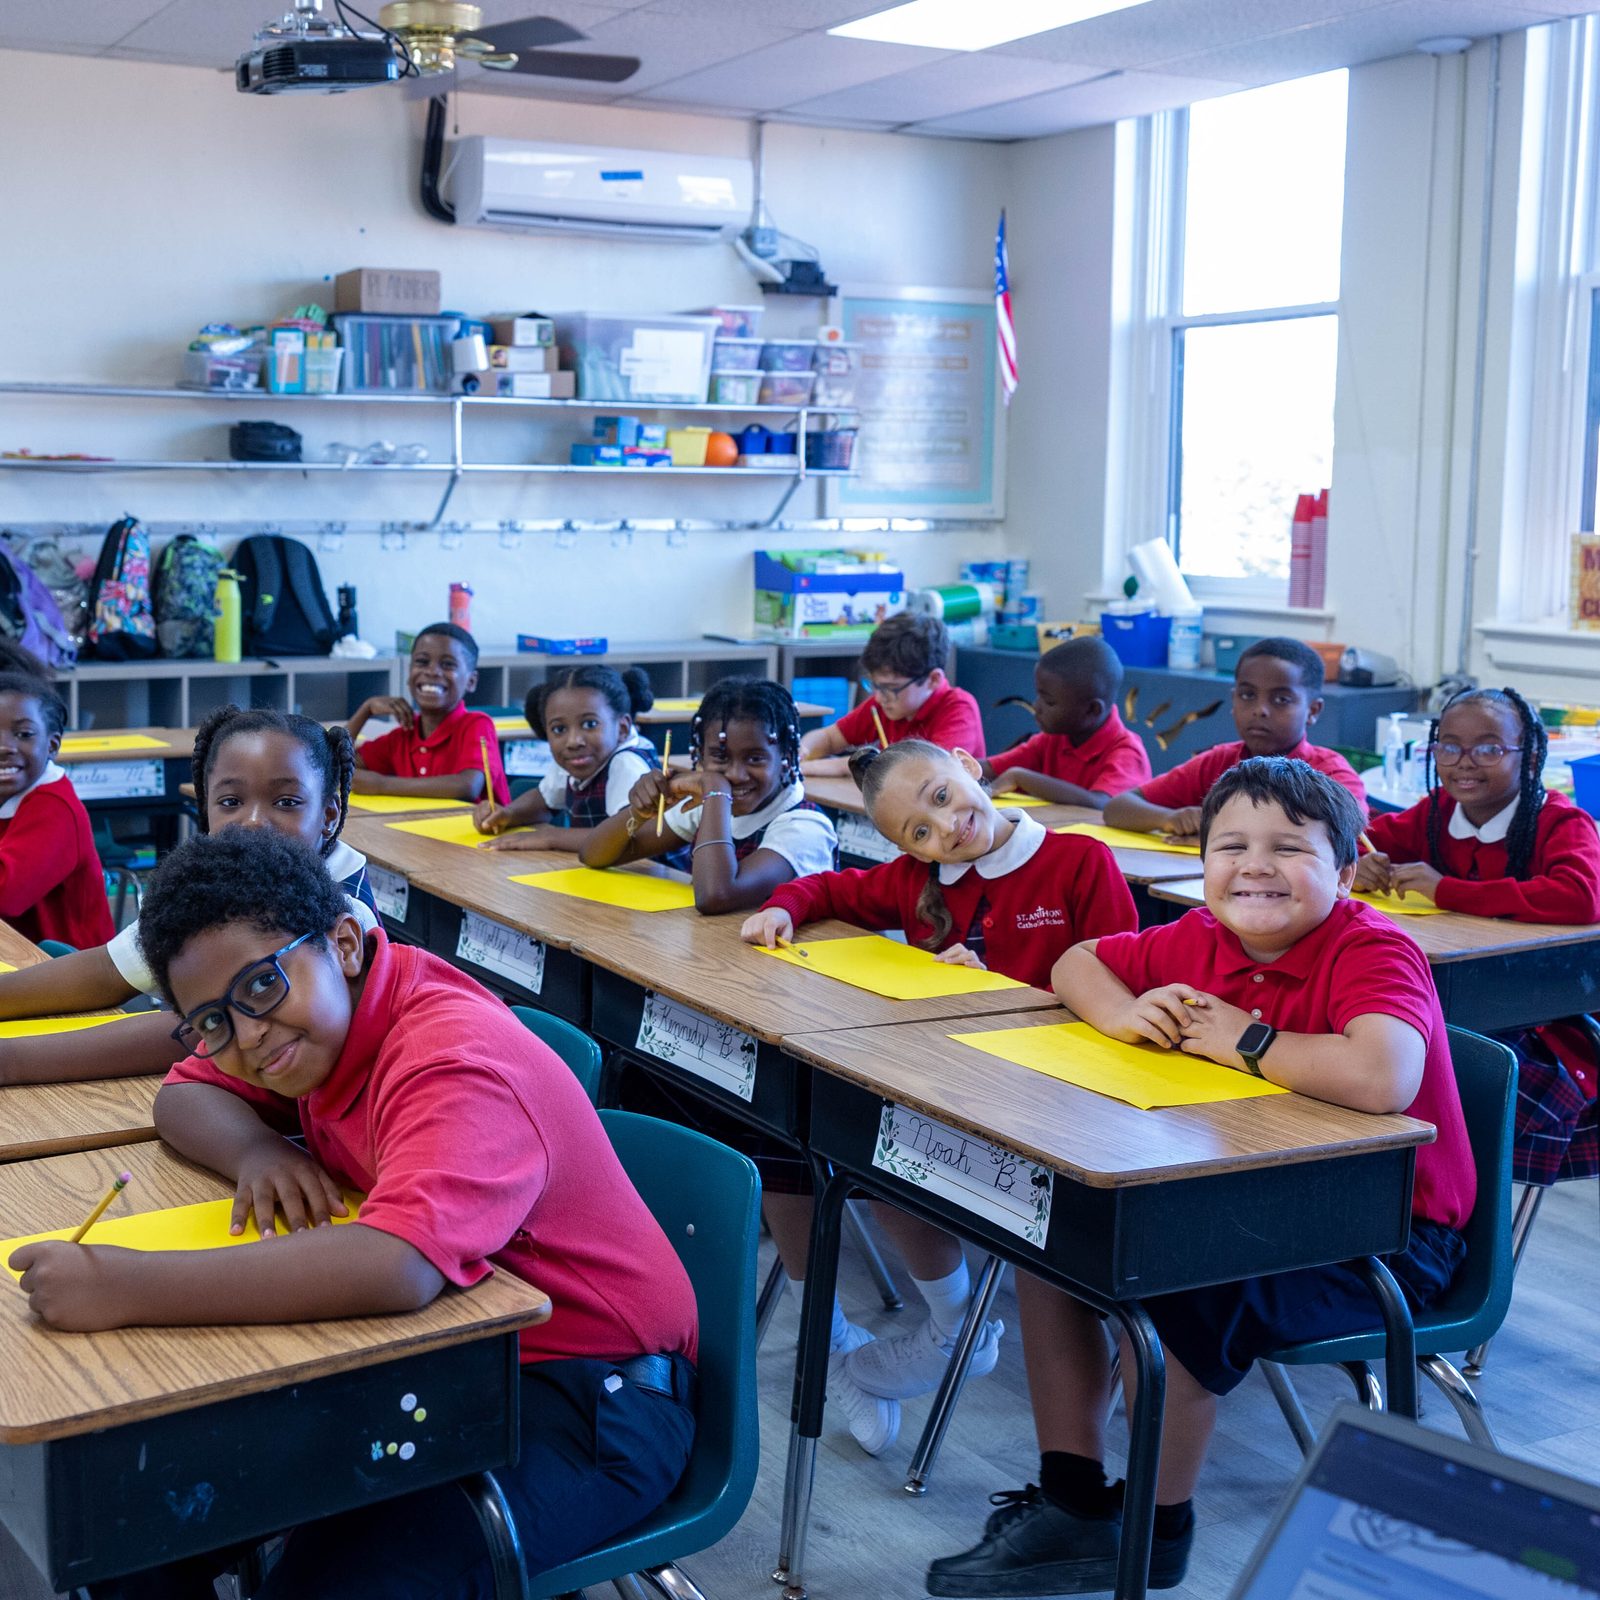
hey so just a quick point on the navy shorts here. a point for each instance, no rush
(1217, 1332)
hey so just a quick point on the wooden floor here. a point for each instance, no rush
(871, 1541)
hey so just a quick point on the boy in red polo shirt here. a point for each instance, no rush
(904, 662)
(476, 1149)
(1282, 975)
(1277, 696)
(438, 750)
(1083, 754)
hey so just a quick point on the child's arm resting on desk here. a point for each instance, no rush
(86, 980)
(631, 834)
(824, 753)
(466, 785)
(139, 1047)
(1023, 780)
(1134, 812)
(870, 897)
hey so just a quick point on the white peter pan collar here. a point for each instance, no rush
(51, 774)
(1493, 831)
(1016, 852)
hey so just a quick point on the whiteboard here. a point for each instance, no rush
(932, 441)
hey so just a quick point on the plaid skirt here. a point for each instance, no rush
(1557, 1134)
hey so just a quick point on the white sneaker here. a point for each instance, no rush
(910, 1364)
(854, 1337)
(874, 1423)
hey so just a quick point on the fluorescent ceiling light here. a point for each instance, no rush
(969, 25)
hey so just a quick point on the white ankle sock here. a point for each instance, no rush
(947, 1301)
(839, 1333)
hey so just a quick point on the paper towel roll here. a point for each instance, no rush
(1160, 582)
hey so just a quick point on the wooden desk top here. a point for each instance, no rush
(1092, 1138)
(56, 1384)
(1449, 936)
(177, 744)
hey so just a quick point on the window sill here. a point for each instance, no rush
(1216, 605)
(1548, 647)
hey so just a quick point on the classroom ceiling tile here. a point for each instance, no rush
(793, 71)
(944, 88)
(85, 28)
(796, 15)
(1083, 105)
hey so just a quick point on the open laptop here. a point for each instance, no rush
(1385, 1508)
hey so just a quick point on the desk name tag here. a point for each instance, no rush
(492, 945)
(527, 758)
(986, 1179)
(699, 1044)
(857, 837)
(118, 780)
(391, 893)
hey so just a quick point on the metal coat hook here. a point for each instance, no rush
(566, 535)
(677, 536)
(450, 536)
(393, 536)
(510, 535)
(331, 536)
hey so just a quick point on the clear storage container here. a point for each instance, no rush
(650, 360)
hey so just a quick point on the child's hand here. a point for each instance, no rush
(767, 927)
(1418, 878)
(487, 817)
(1213, 1028)
(651, 787)
(79, 1288)
(1161, 1015)
(1183, 824)
(1373, 873)
(278, 1177)
(544, 837)
(390, 708)
(1005, 782)
(958, 955)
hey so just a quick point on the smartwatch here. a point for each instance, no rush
(1254, 1043)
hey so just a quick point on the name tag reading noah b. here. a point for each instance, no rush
(712, 1050)
(391, 893)
(986, 1179)
(493, 946)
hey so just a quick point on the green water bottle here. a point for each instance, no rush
(227, 642)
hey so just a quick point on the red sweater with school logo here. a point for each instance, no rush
(1027, 902)
(51, 882)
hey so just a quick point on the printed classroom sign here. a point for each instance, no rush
(985, 1179)
(926, 391)
(1586, 581)
(699, 1044)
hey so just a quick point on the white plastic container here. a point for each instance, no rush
(1183, 643)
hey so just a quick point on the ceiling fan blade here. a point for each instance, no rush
(529, 33)
(575, 64)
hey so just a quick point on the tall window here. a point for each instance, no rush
(1256, 201)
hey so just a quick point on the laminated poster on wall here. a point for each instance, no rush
(932, 440)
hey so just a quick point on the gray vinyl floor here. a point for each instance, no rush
(870, 1539)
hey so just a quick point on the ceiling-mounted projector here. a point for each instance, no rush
(305, 53)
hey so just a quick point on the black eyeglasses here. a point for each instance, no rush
(260, 988)
(1447, 753)
(893, 691)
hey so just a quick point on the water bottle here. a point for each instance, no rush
(1394, 754)
(461, 605)
(226, 636)
(349, 627)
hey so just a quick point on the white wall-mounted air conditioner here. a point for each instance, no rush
(588, 189)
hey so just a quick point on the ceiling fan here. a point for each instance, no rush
(438, 35)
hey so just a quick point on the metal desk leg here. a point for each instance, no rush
(488, 1502)
(810, 1375)
(1144, 1450)
(1400, 1339)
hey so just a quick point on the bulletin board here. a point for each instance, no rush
(932, 441)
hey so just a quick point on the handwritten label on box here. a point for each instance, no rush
(857, 837)
(499, 949)
(699, 1044)
(986, 1179)
(391, 893)
(117, 780)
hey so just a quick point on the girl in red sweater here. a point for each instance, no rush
(982, 887)
(1489, 839)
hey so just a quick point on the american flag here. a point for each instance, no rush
(1004, 332)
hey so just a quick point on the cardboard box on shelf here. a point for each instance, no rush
(530, 385)
(523, 330)
(524, 357)
(393, 291)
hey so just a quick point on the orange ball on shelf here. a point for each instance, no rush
(721, 450)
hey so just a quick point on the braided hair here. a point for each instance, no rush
(627, 693)
(870, 767)
(332, 752)
(758, 700)
(1530, 780)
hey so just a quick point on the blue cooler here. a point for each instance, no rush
(1139, 640)
(1586, 783)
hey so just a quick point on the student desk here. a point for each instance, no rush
(1491, 974)
(46, 1119)
(1142, 1203)
(144, 779)
(121, 1450)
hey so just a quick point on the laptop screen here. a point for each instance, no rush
(1380, 1516)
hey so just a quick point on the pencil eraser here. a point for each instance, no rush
(124, 1177)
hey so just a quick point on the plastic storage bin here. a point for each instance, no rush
(647, 360)
(741, 322)
(786, 388)
(832, 450)
(787, 355)
(395, 355)
(1139, 640)
(204, 370)
(1586, 783)
(837, 360)
(834, 389)
(735, 388)
(1229, 647)
(322, 370)
(736, 355)
(834, 693)
(688, 446)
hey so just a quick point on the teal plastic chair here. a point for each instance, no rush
(57, 947)
(572, 1044)
(1471, 1310)
(707, 1199)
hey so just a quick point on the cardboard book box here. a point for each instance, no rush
(388, 291)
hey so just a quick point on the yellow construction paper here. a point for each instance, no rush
(1127, 839)
(391, 803)
(39, 1027)
(77, 744)
(1392, 905)
(1012, 798)
(514, 727)
(197, 1227)
(1141, 1075)
(634, 891)
(686, 706)
(887, 967)
(457, 829)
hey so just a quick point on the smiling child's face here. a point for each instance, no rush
(441, 675)
(935, 809)
(1480, 788)
(264, 779)
(292, 1049)
(745, 755)
(1270, 880)
(582, 730)
(26, 743)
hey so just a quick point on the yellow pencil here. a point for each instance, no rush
(1366, 844)
(661, 799)
(789, 944)
(883, 738)
(123, 1180)
(488, 777)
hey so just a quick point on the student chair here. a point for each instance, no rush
(57, 947)
(1473, 1307)
(706, 1198)
(571, 1043)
